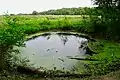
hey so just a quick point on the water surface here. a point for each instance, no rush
(53, 50)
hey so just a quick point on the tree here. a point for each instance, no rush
(107, 3)
(110, 10)
(34, 13)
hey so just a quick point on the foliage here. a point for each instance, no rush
(67, 11)
(6, 75)
(104, 66)
(109, 57)
(9, 36)
(107, 3)
(35, 13)
(110, 18)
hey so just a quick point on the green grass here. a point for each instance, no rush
(33, 24)
(108, 56)
(106, 49)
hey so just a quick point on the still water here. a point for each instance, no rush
(52, 50)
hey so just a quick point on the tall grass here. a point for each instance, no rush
(33, 24)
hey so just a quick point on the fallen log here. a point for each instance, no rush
(84, 59)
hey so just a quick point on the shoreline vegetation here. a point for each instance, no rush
(15, 29)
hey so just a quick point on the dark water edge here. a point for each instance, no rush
(61, 33)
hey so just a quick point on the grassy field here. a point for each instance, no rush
(32, 24)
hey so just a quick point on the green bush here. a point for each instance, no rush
(9, 37)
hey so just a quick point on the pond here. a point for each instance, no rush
(53, 50)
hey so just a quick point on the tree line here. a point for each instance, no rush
(68, 11)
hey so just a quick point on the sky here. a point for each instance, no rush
(27, 6)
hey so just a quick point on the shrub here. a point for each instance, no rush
(9, 37)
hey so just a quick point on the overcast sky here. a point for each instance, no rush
(27, 6)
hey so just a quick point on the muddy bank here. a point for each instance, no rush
(49, 73)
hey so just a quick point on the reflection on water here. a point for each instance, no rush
(52, 50)
(63, 38)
